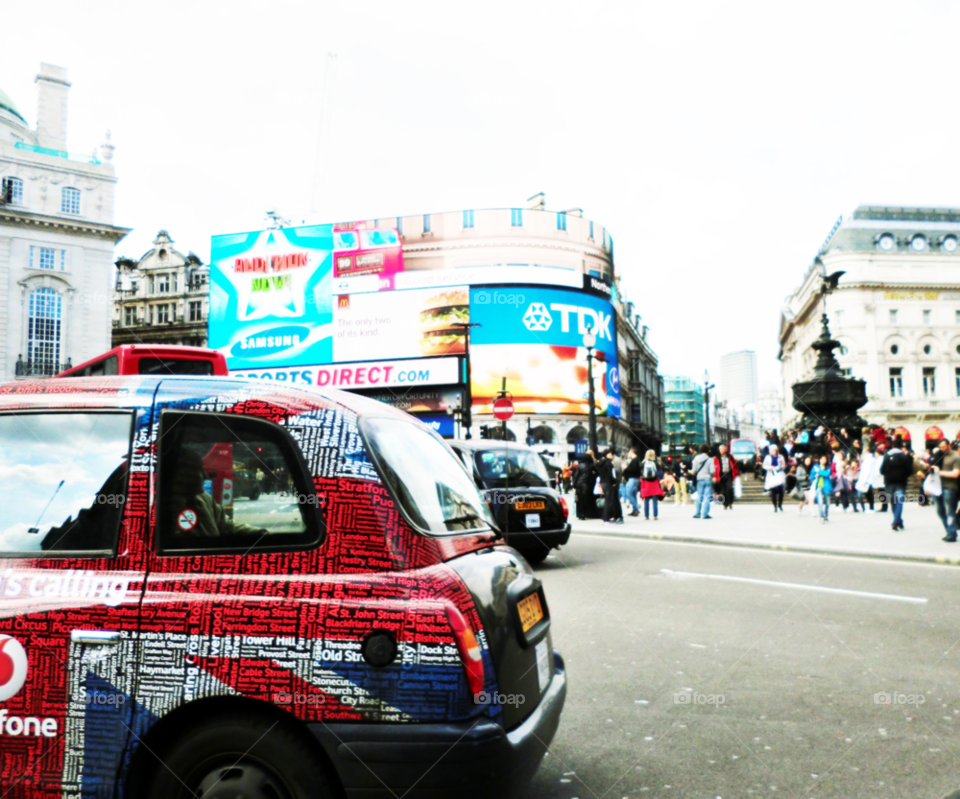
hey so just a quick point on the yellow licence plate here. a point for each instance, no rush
(531, 505)
(530, 611)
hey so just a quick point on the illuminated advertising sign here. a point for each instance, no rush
(364, 375)
(271, 291)
(270, 299)
(534, 337)
(406, 324)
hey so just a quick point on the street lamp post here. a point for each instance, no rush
(466, 412)
(707, 385)
(590, 341)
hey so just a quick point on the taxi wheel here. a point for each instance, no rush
(535, 553)
(239, 756)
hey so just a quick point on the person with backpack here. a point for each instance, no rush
(650, 488)
(701, 470)
(896, 468)
(774, 482)
(724, 473)
(631, 473)
(610, 483)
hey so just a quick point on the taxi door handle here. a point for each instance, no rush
(95, 637)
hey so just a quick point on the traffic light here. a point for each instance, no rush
(484, 431)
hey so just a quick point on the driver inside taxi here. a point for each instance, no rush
(194, 510)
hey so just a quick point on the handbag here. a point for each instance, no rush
(932, 486)
(737, 488)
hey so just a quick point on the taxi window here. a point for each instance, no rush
(63, 480)
(232, 484)
(432, 487)
(511, 467)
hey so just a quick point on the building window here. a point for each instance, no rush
(956, 377)
(956, 317)
(43, 331)
(426, 223)
(173, 279)
(929, 381)
(927, 349)
(591, 231)
(399, 225)
(48, 258)
(13, 191)
(561, 221)
(162, 314)
(196, 311)
(129, 316)
(838, 318)
(847, 372)
(896, 381)
(516, 217)
(468, 219)
(893, 316)
(70, 201)
(928, 317)
(163, 284)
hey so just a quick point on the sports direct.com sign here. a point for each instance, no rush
(366, 374)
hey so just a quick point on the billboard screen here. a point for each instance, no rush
(271, 291)
(533, 336)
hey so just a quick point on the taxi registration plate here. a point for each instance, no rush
(533, 504)
(530, 610)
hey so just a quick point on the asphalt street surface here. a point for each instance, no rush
(697, 686)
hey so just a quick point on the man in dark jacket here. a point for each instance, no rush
(896, 468)
(584, 481)
(610, 483)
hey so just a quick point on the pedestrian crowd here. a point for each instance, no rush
(820, 469)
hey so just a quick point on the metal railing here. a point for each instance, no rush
(40, 368)
(33, 148)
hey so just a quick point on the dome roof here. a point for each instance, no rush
(6, 104)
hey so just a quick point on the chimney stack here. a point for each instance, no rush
(52, 88)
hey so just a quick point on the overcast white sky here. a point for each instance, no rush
(718, 142)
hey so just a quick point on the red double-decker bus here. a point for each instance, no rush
(148, 359)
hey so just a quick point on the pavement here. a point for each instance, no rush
(855, 534)
(711, 672)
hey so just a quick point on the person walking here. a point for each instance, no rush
(725, 472)
(805, 483)
(610, 483)
(774, 481)
(681, 496)
(631, 474)
(896, 468)
(584, 482)
(701, 470)
(868, 474)
(822, 479)
(650, 488)
(946, 464)
(565, 473)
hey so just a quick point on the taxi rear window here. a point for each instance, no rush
(63, 479)
(434, 490)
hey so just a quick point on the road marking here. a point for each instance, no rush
(918, 600)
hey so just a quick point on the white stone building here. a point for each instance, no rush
(56, 238)
(896, 314)
(162, 298)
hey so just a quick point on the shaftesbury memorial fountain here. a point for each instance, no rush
(828, 398)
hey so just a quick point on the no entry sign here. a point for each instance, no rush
(503, 408)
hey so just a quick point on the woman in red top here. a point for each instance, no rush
(725, 472)
(650, 488)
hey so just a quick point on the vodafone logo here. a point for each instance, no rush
(13, 667)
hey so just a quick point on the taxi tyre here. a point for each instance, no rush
(239, 755)
(534, 553)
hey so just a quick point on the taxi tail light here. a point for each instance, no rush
(565, 508)
(469, 648)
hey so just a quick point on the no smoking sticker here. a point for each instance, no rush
(187, 519)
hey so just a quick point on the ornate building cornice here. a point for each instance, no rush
(72, 226)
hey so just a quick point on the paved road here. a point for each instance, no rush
(796, 670)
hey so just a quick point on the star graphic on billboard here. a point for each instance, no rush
(267, 285)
